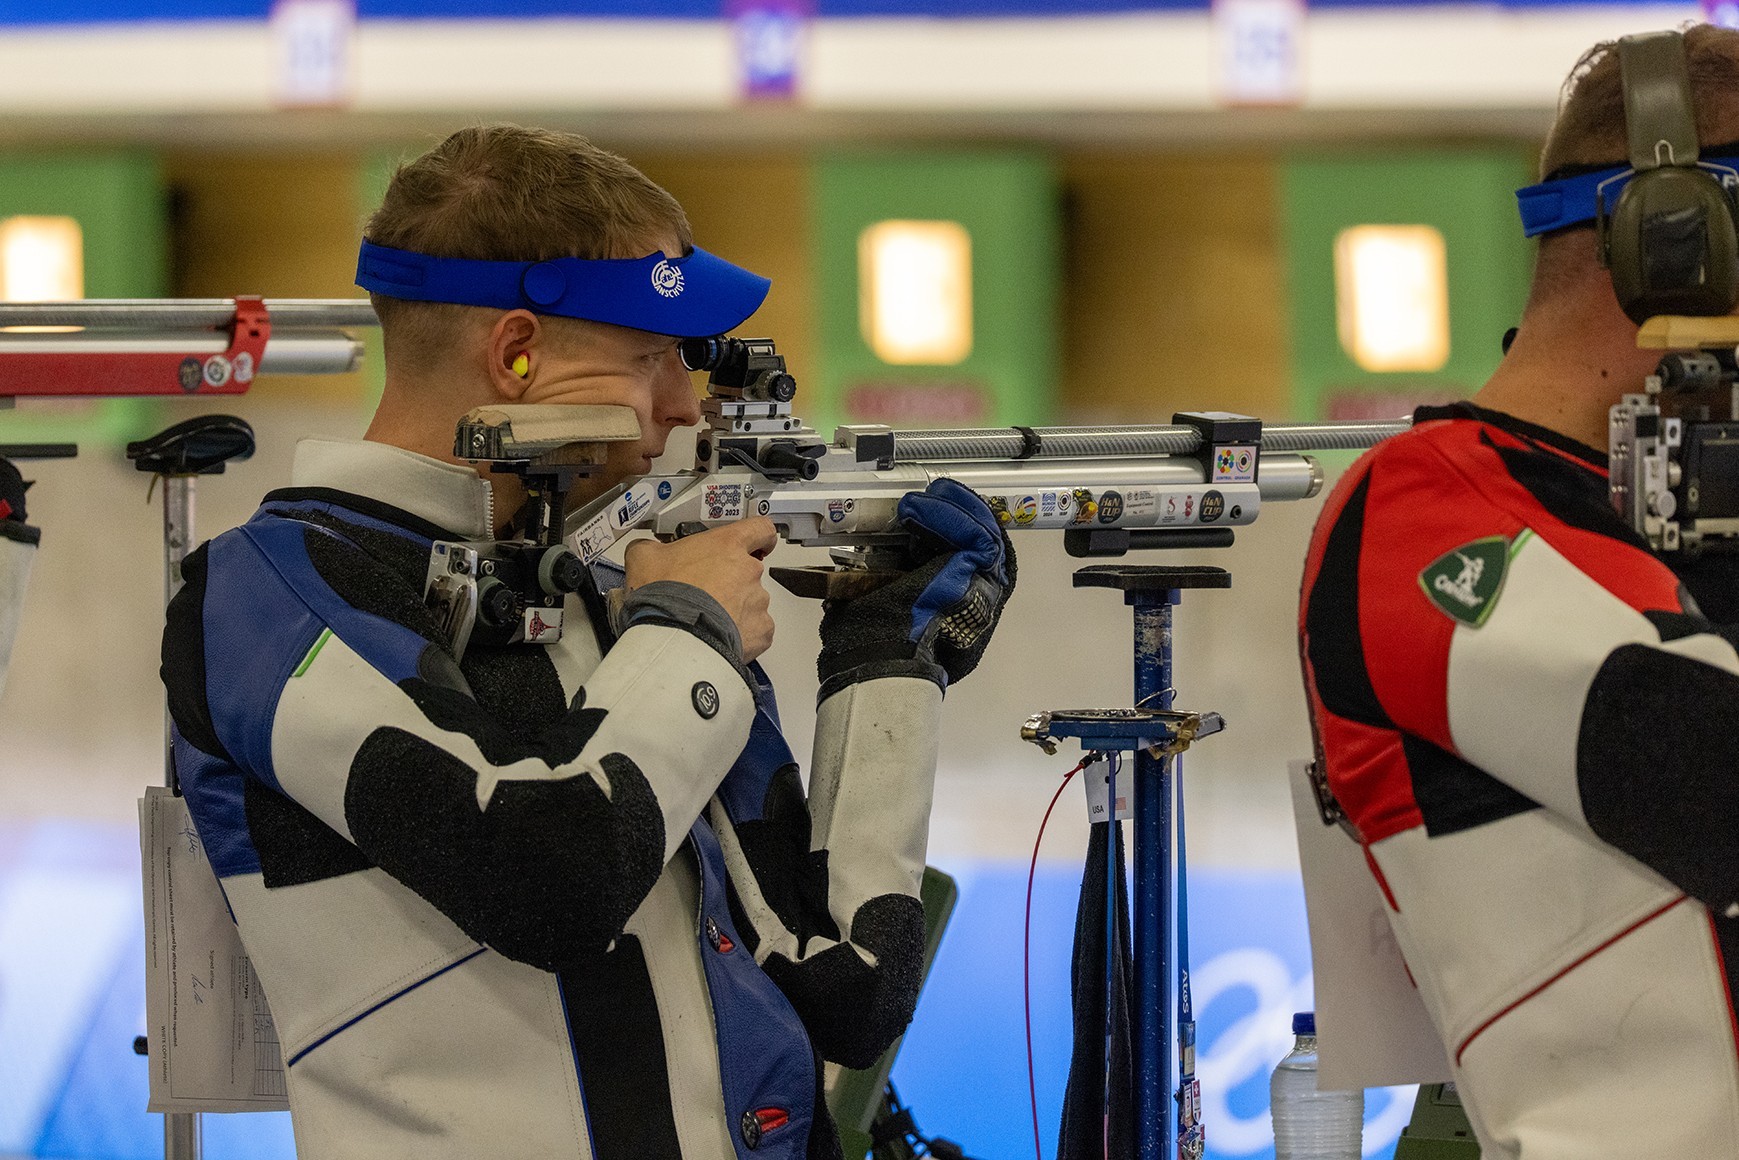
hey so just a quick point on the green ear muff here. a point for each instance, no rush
(1670, 240)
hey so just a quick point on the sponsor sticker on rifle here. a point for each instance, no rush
(1465, 582)
(724, 501)
(594, 539)
(1234, 465)
(1213, 506)
(541, 625)
(1086, 507)
(634, 503)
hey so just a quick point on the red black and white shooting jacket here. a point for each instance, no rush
(1535, 729)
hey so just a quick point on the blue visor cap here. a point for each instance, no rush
(698, 295)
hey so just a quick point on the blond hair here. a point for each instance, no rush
(510, 193)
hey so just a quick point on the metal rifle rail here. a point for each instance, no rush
(158, 314)
(121, 347)
(1020, 443)
(1083, 479)
(288, 352)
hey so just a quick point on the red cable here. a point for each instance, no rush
(1026, 957)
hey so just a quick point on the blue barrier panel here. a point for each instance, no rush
(72, 999)
(962, 1069)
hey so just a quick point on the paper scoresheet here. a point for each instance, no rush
(212, 1044)
(1372, 1029)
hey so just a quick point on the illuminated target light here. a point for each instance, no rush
(1391, 290)
(42, 259)
(915, 291)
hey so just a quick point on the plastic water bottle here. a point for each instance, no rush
(1308, 1124)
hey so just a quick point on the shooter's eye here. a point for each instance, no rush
(701, 354)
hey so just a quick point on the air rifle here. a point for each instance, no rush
(1108, 489)
(1674, 447)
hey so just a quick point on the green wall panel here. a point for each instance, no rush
(1008, 202)
(122, 209)
(1466, 194)
(372, 178)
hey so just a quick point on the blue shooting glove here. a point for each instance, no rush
(936, 619)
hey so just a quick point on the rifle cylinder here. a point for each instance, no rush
(1280, 476)
(185, 313)
(294, 352)
(1121, 441)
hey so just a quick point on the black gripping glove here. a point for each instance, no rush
(936, 619)
(12, 489)
(13, 517)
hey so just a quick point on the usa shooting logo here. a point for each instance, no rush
(667, 279)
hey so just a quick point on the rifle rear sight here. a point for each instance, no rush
(748, 408)
(749, 369)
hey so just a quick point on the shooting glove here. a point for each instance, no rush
(18, 542)
(936, 619)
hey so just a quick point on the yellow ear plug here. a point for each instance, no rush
(521, 365)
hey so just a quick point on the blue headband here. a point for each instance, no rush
(1571, 201)
(698, 295)
(1568, 201)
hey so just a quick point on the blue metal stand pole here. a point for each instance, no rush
(1151, 592)
(1152, 888)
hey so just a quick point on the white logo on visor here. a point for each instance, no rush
(667, 279)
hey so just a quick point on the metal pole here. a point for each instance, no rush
(181, 1130)
(177, 530)
(181, 1136)
(177, 538)
(1152, 919)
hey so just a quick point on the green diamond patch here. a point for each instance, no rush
(1465, 581)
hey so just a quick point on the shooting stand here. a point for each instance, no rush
(1156, 735)
(178, 456)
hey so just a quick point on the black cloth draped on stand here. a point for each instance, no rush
(1082, 1133)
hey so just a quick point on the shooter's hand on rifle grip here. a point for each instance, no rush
(936, 619)
(725, 563)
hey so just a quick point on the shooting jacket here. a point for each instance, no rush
(1530, 720)
(562, 901)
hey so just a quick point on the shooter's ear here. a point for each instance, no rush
(511, 363)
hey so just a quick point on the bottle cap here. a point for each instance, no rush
(1304, 1023)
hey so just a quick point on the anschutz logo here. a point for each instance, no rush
(1465, 581)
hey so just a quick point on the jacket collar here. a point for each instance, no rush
(444, 494)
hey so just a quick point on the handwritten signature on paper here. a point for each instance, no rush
(187, 831)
